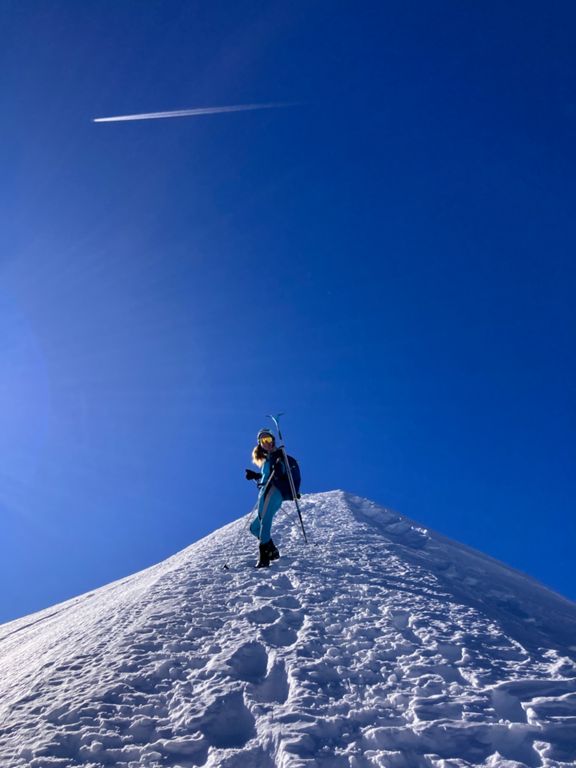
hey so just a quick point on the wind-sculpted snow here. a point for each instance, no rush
(379, 645)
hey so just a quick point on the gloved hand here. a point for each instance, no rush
(251, 475)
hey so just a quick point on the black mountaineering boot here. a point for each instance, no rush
(264, 560)
(273, 550)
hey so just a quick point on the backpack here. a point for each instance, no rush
(282, 482)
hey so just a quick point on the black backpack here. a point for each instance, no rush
(282, 481)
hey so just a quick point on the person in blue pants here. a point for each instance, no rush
(269, 459)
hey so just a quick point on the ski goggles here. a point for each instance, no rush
(266, 440)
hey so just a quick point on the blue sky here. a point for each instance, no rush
(391, 263)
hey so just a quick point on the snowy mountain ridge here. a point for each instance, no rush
(380, 644)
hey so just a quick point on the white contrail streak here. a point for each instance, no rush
(192, 112)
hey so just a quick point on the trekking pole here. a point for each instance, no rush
(276, 420)
(266, 489)
(235, 544)
(238, 535)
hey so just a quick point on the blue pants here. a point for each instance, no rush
(268, 505)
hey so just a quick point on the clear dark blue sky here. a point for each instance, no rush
(391, 263)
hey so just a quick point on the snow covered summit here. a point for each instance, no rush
(379, 645)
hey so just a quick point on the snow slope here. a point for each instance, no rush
(379, 644)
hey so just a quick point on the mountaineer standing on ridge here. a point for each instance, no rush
(272, 471)
(272, 481)
(278, 481)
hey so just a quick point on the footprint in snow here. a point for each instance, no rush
(264, 615)
(249, 662)
(286, 601)
(227, 723)
(279, 635)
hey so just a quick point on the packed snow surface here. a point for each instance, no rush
(378, 644)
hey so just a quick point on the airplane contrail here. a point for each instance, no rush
(192, 112)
